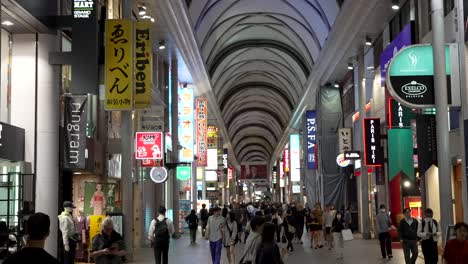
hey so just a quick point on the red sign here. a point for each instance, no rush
(148, 145)
(281, 170)
(286, 160)
(230, 173)
(147, 163)
(201, 120)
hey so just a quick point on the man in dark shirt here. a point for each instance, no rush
(408, 236)
(37, 228)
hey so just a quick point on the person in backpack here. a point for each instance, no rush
(429, 232)
(192, 221)
(408, 230)
(268, 252)
(204, 218)
(230, 236)
(384, 225)
(161, 229)
(214, 233)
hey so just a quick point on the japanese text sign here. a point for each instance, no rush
(311, 123)
(119, 65)
(143, 64)
(286, 160)
(344, 140)
(186, 123)
(201, 113)
(212, 137)
(148, 145)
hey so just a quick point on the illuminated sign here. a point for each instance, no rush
(143, 77)
(230, 173)
(212, 137)
(281, 170)
(201, 129)
(294, 146)
(83, 8)
(183, 172)
(342, 161)
(211, 176)
(352, 155)
(344, 140)
(212, 163)
(296, 189)
(311, 123)
(148, 145)
(186, 123)
(225, 159)
(373, 153)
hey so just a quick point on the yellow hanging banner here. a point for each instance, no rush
(119, 64)
(143, 64)
(95, 222)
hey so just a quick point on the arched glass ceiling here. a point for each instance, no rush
(259, 54)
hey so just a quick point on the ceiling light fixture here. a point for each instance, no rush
(336, 85)
(162, 44)
(7, 23)
(350, 66)
(395, 4)
(368, 41)
(141, 10)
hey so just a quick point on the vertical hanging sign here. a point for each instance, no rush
(186, 123)
(373, 152)
(344, 140)
(286, 159)
(74, 131)
(201, 129)
(295, 158)
(311, 117)
(143, 80)
(119, 64)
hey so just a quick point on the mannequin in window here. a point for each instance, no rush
(98, 201)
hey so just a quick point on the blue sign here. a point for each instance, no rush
(311, 123)
(186, 123)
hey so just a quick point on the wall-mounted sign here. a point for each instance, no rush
(352, 155)
(225, 158)
(410, 78)
(281, 168)
(296, 189)
(147, 163)
(201, 119)
(158, 174)
(373, 152)
(344, 140)
(399, 116)
(83, 9)
(74, 131)
(427, 141)
(143, 64)
(295, 159)
(342, 161)
(212, 137)
(230, 173)
(12, 142)
(286, 159)
(212, 163)
(183, 173)
(211, 176)
(118, 69)
(311, 123)
(148, 145)
(186, 126)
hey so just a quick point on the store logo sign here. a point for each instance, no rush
(143, 62)
(83, 8)
(414, 89)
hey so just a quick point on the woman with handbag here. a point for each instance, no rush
(230, 237)
(338, 226)
(289, 229)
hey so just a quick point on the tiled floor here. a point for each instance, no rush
(356, 252)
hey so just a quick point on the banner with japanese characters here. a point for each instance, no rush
(119, 65)
(186, 123)
(143, 80)
(344, 140)
(311, 123)
(201, 129)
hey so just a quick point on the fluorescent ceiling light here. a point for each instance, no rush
(7, 23)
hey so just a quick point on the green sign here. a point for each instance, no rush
(417, 60)
(183, 173)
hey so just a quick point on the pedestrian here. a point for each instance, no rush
(108, 246)
(192, 221)
(317, 226)
(348, 219)
(238, 216)
(429, 233)
(37, 230)
(204, 218)
(384, 225)
(161, 229)
(268, 252)
(252, 244)
(299, 217)
(214, 233)
(277, 222)
(289, 224)
(328, 218)
(70, 237)
(456, 250)
(337, 226)
(230, 237)
(408, 230)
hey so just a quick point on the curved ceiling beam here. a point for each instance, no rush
(222, 54)
(255, 125)
(256, 109)
(270, 100)
(253, 154)
(253, 147)
(256, 138)
(256, 158)
(246, 105)
(258, 119)
(254, 132)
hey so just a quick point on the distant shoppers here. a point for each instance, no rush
(328, 218)
(409, 237)
(337, 226)
(214, 233)
(37, 229)
(69, 235)
(289, 224)
(204, 218)
(384, 225)
(108, 246)
(161, 229)
(192, 221)
(253, 241)
(268, 252)
(429, 232)
(230, 237)
(456, 250)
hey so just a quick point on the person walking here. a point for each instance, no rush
(277, 222)
(204, 218)
(317, 226)
(192, 221)
(456, 250)
(337, 226)
(289, 224)
(408, 230)
(384, 225)
(161, 229)
(328, 218)
(108, 246)
(214, 233)
(230, 237)
(268, 252)
(70, 237)
(300, 219)
(429, 232)
(37, 229)
(253, 242)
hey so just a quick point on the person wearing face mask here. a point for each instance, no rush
(338, 226)
(429, 232)
(384, 225)
(69, 235)
(409, 237)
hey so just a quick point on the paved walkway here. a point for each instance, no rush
(356, 252)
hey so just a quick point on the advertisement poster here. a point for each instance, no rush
(311, 124)
(294, 147)
(254, 172)
(95, 222)
(201, 129)
(212, 137)
(148, 145)
(143, 64)
(74, 132)
(100, 198)
(186, 123)
(118, 68)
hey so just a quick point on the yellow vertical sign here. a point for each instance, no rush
(119, 64)
(143, 64)
(95, 222)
